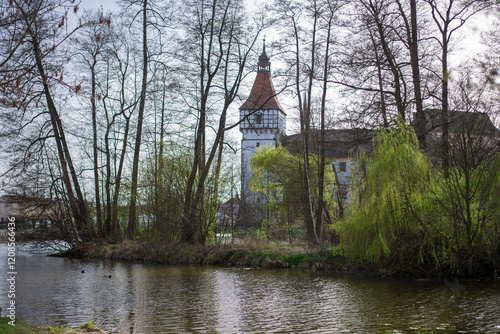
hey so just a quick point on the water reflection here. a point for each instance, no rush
(162, 299)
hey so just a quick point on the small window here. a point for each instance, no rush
(258, 144)
(343, 166)
(259, 118)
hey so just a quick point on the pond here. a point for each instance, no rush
(145, 298)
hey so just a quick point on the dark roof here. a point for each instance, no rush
(264, 58)
(339, 143)
(461, 121)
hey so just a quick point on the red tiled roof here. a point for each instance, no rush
(263, 95)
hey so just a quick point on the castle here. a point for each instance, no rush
(263, 123)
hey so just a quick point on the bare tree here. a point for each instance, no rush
(218, 44)
(119, 103)
(37, 66)
(412, 38)
(449, 16)
(90, 45)
(380, 14)
(374, 68)
(310, 29)
(132, 218)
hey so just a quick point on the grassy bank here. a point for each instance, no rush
(242, 255)
(23, 328)
(264, 254)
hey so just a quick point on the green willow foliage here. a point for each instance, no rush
(469, 212)
(388, 197)
(276, 178)
(407, 214)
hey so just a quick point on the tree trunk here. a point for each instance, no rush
(415, 68)
(444, 105)
(394, 69)
(378, 61)
(115, 227)
(77, 203)
(132, 219)
(95, 146)
(321, 175)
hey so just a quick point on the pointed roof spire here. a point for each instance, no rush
(264, 65)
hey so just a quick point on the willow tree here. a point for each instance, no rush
(272, 172)
(390, 198)
(275, 174)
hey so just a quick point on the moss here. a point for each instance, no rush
(20, 327)
(23, 328)
(90, 327)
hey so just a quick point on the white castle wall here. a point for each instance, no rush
(264, 127)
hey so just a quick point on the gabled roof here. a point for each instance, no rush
(340, 142)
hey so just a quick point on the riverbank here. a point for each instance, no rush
(24, 328)
(240, 255)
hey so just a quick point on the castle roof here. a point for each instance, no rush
(263, 94)
(460, 122)
(339, 143)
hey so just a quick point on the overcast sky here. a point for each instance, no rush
(96, 4)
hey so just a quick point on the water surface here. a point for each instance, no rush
(144, 298)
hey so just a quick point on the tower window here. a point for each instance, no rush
(259, 118)
(343, 166)
(258, 144)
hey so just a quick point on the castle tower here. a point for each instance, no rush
(263, 120)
